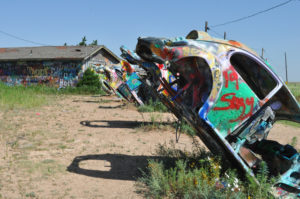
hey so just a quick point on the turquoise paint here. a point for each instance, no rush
(222, 119)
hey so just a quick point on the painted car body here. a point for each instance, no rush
(119, 81)
(232, 98)
(151, 79)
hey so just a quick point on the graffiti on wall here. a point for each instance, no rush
(98, 60)
(52, 73)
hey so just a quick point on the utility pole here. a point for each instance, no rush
(206, 26)
(262, 53)
(224, 35)
(286, 70)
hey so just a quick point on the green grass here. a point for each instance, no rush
(82, 90)
(21, 97)
(294, 141)
(181, 174)
(35, 96)
(46, 167)
(295, 88)
(289, 123)
(184, 127)
(150, 106)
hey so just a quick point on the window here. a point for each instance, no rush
(254, 74)
(195, 79)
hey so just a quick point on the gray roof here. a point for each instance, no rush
(52, 52)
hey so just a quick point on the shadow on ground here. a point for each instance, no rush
(112, 107)
(119, 166)
(87, 101)
(118, 123)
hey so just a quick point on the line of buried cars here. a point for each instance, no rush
(224, 90)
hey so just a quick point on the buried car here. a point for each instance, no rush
(120, 82)
(232, 98)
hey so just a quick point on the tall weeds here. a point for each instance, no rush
(21, 97)
(181, 174)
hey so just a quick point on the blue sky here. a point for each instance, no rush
(117, 22)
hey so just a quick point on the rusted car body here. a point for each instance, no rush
(231, 97)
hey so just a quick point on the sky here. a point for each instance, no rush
(118, 22)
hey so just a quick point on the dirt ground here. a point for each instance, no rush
(84, 147)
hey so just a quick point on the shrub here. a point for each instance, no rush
(181, 174)
(263, 189)
(90, 80)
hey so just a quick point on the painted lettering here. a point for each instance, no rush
(231, 77)
(235, 103)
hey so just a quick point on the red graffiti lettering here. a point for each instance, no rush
(235, 103)
(232, 77)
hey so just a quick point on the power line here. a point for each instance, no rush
(252, 15)
(26, 40)
(215, 32)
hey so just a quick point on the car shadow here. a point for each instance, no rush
(118, 123)
(87, 101)
(112, 107)
(117, 166)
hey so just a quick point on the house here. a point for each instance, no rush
(58, 66)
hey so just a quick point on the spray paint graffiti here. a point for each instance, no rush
(245, 98)
(235, 103)
(231, 77)
(53, 73)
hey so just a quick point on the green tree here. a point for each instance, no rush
(83, 42)
(94, 43)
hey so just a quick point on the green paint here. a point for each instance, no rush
(273, 70)
(157, 45)
(221, 119)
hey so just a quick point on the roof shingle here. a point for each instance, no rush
(50, 52)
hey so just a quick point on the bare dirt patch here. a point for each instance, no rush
(84, 147)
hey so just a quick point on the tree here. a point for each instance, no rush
(94, 43)
(83, 42)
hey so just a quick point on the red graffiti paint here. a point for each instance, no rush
(178, 53)
(235, 103)
(172, 53)
(231, 77)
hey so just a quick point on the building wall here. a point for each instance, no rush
(57, 73)
(100, 59)
(52, 73)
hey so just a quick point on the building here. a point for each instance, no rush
(58, 66)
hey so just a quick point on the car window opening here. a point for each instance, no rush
(254, 74)
(195, 80)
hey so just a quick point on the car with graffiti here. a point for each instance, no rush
(120, 80)
(131, 88)
(151, 76)
(231, 97)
